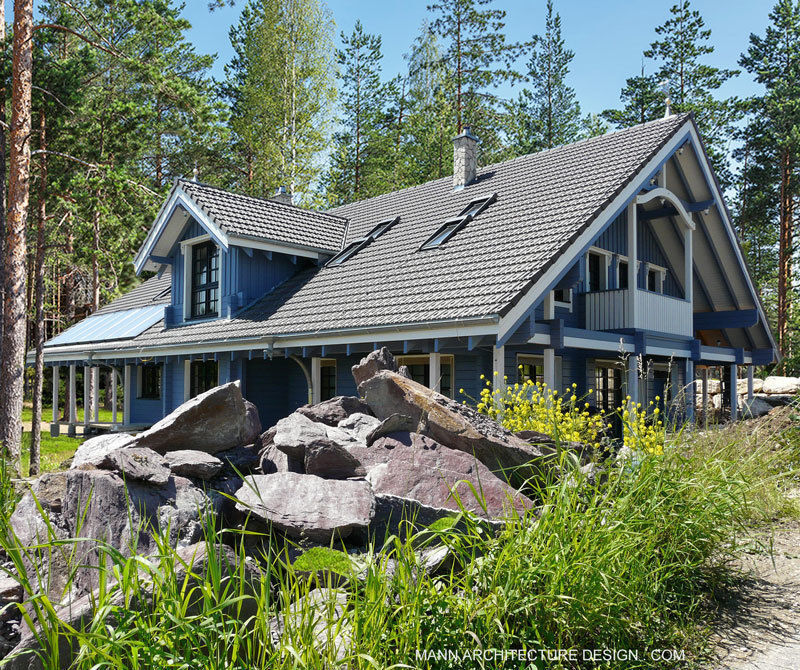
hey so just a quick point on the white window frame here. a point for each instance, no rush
(139, 383)
(624, 259)
(329, 363)
(661, 277)
(187, 249)
(606, 256)
(563, 304)
(425, 359)
(538, 359)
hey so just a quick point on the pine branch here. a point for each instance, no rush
(57, 26)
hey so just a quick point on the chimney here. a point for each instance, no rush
(465, 159)
(282, 195)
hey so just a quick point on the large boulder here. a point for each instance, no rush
(372, 364)
(94, 450)
(252, 423)
(296, 432)
(775, 399)
(781, 385)
(138, 464)
(415, 467)
(332, 411)
(306, 506)
(212, 421)
(359, 425)
(332, 461)
(192, 463)
(454, 425)
(755, 408)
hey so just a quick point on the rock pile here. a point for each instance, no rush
(344, 471)
(774, 391)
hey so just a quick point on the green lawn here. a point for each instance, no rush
(47, 414)
(55, 450)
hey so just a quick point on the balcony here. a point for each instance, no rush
(611, 310)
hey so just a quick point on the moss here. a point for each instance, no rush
(322, 558)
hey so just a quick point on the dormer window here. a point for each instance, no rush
(452, 226)
(357, 245)
(205, 280)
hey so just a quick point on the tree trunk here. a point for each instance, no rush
(2, 175)
(13, 343)
(38, 300)
(785, 251)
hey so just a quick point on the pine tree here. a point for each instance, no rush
(549, 103)
(774, 61)
(642, 99)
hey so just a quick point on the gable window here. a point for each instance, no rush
(149, 387)
(453, 225)
(327, 378)
(205, 280)
(203, 376)
(563, 297)
(357, 245)
(655, 279)
(597, 271)
(420, 369)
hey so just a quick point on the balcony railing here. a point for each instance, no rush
(611, 310)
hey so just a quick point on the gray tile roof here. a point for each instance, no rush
(544, 201)
(154, 291)
(245, 216)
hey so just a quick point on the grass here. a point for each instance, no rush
(323, 559)
(47, 414)
(631, 562)
(54, 451)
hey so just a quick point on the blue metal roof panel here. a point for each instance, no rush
(111, 326)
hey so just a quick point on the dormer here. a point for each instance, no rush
(227, 250)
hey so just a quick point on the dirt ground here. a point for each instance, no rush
(759, 626)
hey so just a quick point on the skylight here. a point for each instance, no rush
(356, 245)
(452, 226)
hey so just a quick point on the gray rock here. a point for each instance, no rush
(374, 362)
(359, 425)
(94, 450)
(403, 371)
(757, 407)
(332, 411)
(192, 463)
(274, 460)
(212, 421)
(332, 461)
(296, 432)
(243, 459)
(252, 423)
(306, 506)
(392, 424)
(774, 400)
(11, 590)
(455, 425)
(138, 464)
(321, 611)
(412, 466)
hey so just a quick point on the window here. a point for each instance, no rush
(622, 276)
(655, 280)
(149, 382)
(563, 296)
(530, 368)
(203, 375)
(608, 387)
(420, 369)
(205, 280)
(356, 245)
(327, 378)
(597, 271)
(453, 225)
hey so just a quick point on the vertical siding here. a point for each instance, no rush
(276, 387)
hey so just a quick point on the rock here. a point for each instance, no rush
(252, 423)
(192, 463)
(138, 464)
(403, 371)
(322, 610)
(94, 451)
(359, 425)
(308, 506)
(243, 459)
(392, 424)
(331, 412)
(190, 570)
(781, 385)
(11, 591)
(412, 466)
(332, 461)
(741, 386)
(375, 361)
(274, 460)
(714, 386)
(756, 408)
(212, 421)
(775, 400)
(454, 425)
(436, 560)
(295, 432)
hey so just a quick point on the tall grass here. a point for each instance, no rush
(629, 561)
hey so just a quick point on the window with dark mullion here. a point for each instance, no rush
(205, 279)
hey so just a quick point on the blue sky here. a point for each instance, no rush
(607, 36)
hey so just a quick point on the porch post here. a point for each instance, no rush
(187, 378)
(549, 352)
(633, 379)
(499, 369)
(87, 402)
(96, 393)
(690, 393)
(73, 402)
(316, 380)
(55, 429)
(633, 284)
(749, 383)
(705, 397)
(435, 377)
(126, 397)
(114, 396)
(733, 391)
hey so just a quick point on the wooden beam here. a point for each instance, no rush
(732, 318)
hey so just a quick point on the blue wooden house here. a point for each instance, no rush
(610, 263)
